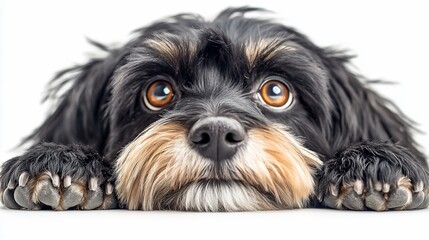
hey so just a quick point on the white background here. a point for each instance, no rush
(39, 38)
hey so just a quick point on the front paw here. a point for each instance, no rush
(376, 177)
(51, 176)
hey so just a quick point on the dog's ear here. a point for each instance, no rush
(78, 116)
(359, 113)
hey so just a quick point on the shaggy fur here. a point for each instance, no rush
(339, 144)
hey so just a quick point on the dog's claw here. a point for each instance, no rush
(109, 189)
(93, 184)
(333, 190)
(358, 187)
(56, 181)
(378, 186)
(23, 179)
(418, 187)
(67, 182)
(386, 188)
(11, 185)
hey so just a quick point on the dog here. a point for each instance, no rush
(233, 114)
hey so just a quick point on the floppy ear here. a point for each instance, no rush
(78, 116)
(359, 113)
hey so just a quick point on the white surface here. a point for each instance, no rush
(38, 38)
(292, 224)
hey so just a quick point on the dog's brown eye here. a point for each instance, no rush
(158, 95)
(275, 94)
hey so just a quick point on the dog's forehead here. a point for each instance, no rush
(221, 47)
(210, 57)
(193, 41)
(176, 46)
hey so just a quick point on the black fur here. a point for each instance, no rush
(335, 111)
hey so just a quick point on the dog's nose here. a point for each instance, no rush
(217, 138)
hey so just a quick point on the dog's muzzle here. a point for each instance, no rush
(215, 166)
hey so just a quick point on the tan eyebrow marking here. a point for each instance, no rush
(171, 50)
(265, 48)
(165, 47)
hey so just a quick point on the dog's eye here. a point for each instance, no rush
(158, 95)
(275, 93)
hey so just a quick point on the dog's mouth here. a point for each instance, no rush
(219, 184)
(161, 171)
(219, 195)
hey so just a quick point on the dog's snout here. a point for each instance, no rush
(217, 138)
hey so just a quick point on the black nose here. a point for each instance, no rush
(217, 138)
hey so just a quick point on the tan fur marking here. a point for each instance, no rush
(282, 166)
(170, 50)
(266, 48)
(141, 166)
(405, 182)
(165, 47)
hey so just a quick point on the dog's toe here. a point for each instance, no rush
(47, 194)
(375, 200)
(425, 202)
(399, 198)
(353, 201)
(95, 199)
(8, 199)
(110, 200)
(330, 201)
(22, 196)
(73, 195)
(418, 199)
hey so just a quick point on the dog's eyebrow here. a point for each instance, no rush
(265, 49)
(171, 47)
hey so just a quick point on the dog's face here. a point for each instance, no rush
(215, 115)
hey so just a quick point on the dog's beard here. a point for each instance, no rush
(159, 170)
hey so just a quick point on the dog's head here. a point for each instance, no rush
(211, 116)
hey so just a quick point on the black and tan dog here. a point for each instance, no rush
(233, 114)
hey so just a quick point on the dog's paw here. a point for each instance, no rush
(378, 196)
(374, 177)
(51, 176)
